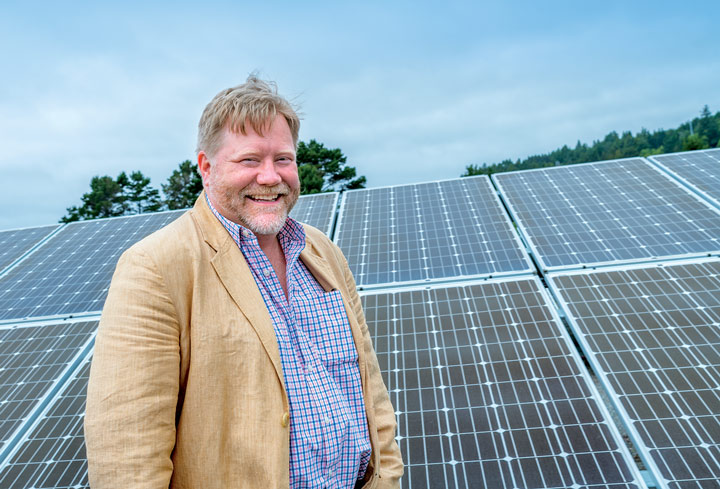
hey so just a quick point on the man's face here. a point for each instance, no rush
(253, 180)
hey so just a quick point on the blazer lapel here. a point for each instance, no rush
(234, 273)
(319, 268)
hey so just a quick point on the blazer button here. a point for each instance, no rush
(285, 420)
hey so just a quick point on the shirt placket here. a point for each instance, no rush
(310, 374)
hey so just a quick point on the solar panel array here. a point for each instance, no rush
(52, 453)
(426, 232)
(71, 272)
(33, 359)
(490, 392)
(621, 210)
(698, 169)
(653, 334)
(489, 388)
(15, 243)
(318, 210)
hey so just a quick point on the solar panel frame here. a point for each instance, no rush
(37, 235)
(323, 223)
(384, 345)
(596, 361)
(539, 255)
(51, 453)
(69, 284)
(698, 183)
(38, 382)
(514, 239)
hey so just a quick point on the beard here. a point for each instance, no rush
(259, 220)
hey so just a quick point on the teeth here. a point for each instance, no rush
(264, 197)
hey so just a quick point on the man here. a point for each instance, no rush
(232, 350)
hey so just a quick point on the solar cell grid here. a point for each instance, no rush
(653, 335)
(490, 392)
(32, 359)
(71, 272)
(426, 232)
(52, 454)
(318, 210)
(14, 243)
(698, 169)
(598, 213)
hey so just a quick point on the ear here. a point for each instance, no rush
(203, 166)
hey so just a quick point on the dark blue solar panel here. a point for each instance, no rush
(318, 210)
(698, 169)
(428, 232)
(32, 361)
(608, 212)
(71, 272)
(14, 243)
(652, 334)
(489, 391)
(52, 454)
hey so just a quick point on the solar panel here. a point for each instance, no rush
(14, 243)
(428, 232)
(652, 334)
(700, 170)
(52, 453)
(33, 360)
(615, 211)
(317, 210)
(490, 391)
(71, 272)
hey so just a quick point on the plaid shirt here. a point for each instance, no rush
(329, 440)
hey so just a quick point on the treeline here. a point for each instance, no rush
(133, 194)
(321, 169)
(701, 133)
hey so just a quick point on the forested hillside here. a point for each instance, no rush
(700, 133)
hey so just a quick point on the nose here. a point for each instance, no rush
(267, 173)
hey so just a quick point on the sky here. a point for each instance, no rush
(410, 91)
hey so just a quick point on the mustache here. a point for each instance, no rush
(280, 188)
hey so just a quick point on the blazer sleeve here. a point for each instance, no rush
(134, 381)
(391, 463)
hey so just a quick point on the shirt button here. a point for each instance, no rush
(266, 272)
(246, 233)
(327, 420)
(285, 420)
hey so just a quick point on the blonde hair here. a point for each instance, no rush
(255, 102)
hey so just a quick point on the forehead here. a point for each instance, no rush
(274, 134)
(276, 128)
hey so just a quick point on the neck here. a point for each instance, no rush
(270, 245)
(268, 242)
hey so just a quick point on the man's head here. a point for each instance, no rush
(246, 155)
(253, 104)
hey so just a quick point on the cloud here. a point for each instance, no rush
(409, 93)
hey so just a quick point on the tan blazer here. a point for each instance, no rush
(186, 388)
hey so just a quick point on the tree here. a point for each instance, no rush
(325, 170)
(182, 187)
(110, 197)
(105, 199)
(138, 195)
(695, 141)
(700, 133)
(472, 170)
(707, 125)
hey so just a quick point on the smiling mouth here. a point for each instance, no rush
(265, 198)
